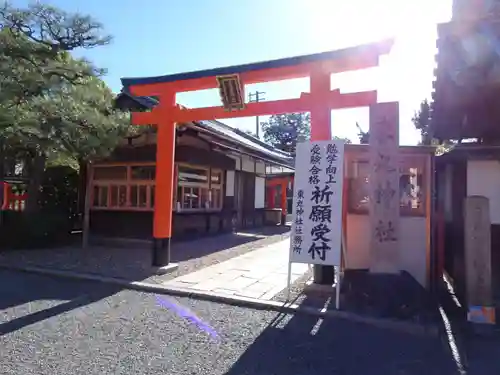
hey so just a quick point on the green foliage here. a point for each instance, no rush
(54, 108)
(346, 140)
(52, 104)
(76, 122)
(58, 215)
(59, 193)
(364, 137)
(283, 131)
(422, 119)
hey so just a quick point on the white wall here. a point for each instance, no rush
(260, 191)
(248, 164)
(483, 178)
(229, 183)
(412, 247)
(260, 167)
(237, 160)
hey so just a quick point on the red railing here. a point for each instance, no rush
(12, 200)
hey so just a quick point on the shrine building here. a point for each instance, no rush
(219, 180)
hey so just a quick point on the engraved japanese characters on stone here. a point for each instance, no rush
(384, 195)
(385, 231)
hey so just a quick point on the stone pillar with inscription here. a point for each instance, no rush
(478, 259)
(384, 188)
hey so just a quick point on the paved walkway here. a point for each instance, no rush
(133, 262)
(259, 274)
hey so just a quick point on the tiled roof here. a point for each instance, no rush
(245, 139)
(379, 48)
(227, 131)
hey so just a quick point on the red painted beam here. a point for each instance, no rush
(334, 100)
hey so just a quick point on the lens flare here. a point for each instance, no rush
(185, 313)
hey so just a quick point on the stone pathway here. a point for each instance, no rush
(260, 274)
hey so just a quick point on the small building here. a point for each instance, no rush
(220, 180)
(465, 115)
(279, 190)
(465, 171)
(415, 197)
(415, 201)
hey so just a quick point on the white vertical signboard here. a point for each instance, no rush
(317, 203)
(316, 236)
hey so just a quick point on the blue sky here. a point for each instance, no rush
(157, 37)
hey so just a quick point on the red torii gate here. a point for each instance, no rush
(230, 81)
(283, 182)
(10, 200)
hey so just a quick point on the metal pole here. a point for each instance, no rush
(289, 276)
(258, 98)
(257, 126)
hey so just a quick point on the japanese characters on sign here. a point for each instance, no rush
(384, 187)
(299, 222)
(477, 249)
(384, 180)
(231, 93)
(317, 216)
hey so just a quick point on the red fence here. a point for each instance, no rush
(13, 200)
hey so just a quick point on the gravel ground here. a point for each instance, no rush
(55, 326)
(409, 303)
(135, 263)
(297, 294)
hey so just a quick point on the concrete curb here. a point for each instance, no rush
(287, 307)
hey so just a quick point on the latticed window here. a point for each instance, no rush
(123, 187)
(132, 187)
(199, 188)
(411, 186)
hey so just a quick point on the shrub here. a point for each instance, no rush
(52, 224)
(38, 230)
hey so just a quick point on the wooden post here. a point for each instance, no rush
(86, 206)
(164, 181)
(384, 188)
(321, 130)
(478, 259)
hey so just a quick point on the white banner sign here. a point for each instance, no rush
(317, 203)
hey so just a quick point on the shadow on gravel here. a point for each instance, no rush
(483, 355)
(200, 247)
(479, 354)
(17, 289)
(306, 345)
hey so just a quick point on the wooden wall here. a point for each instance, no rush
(194, 151)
